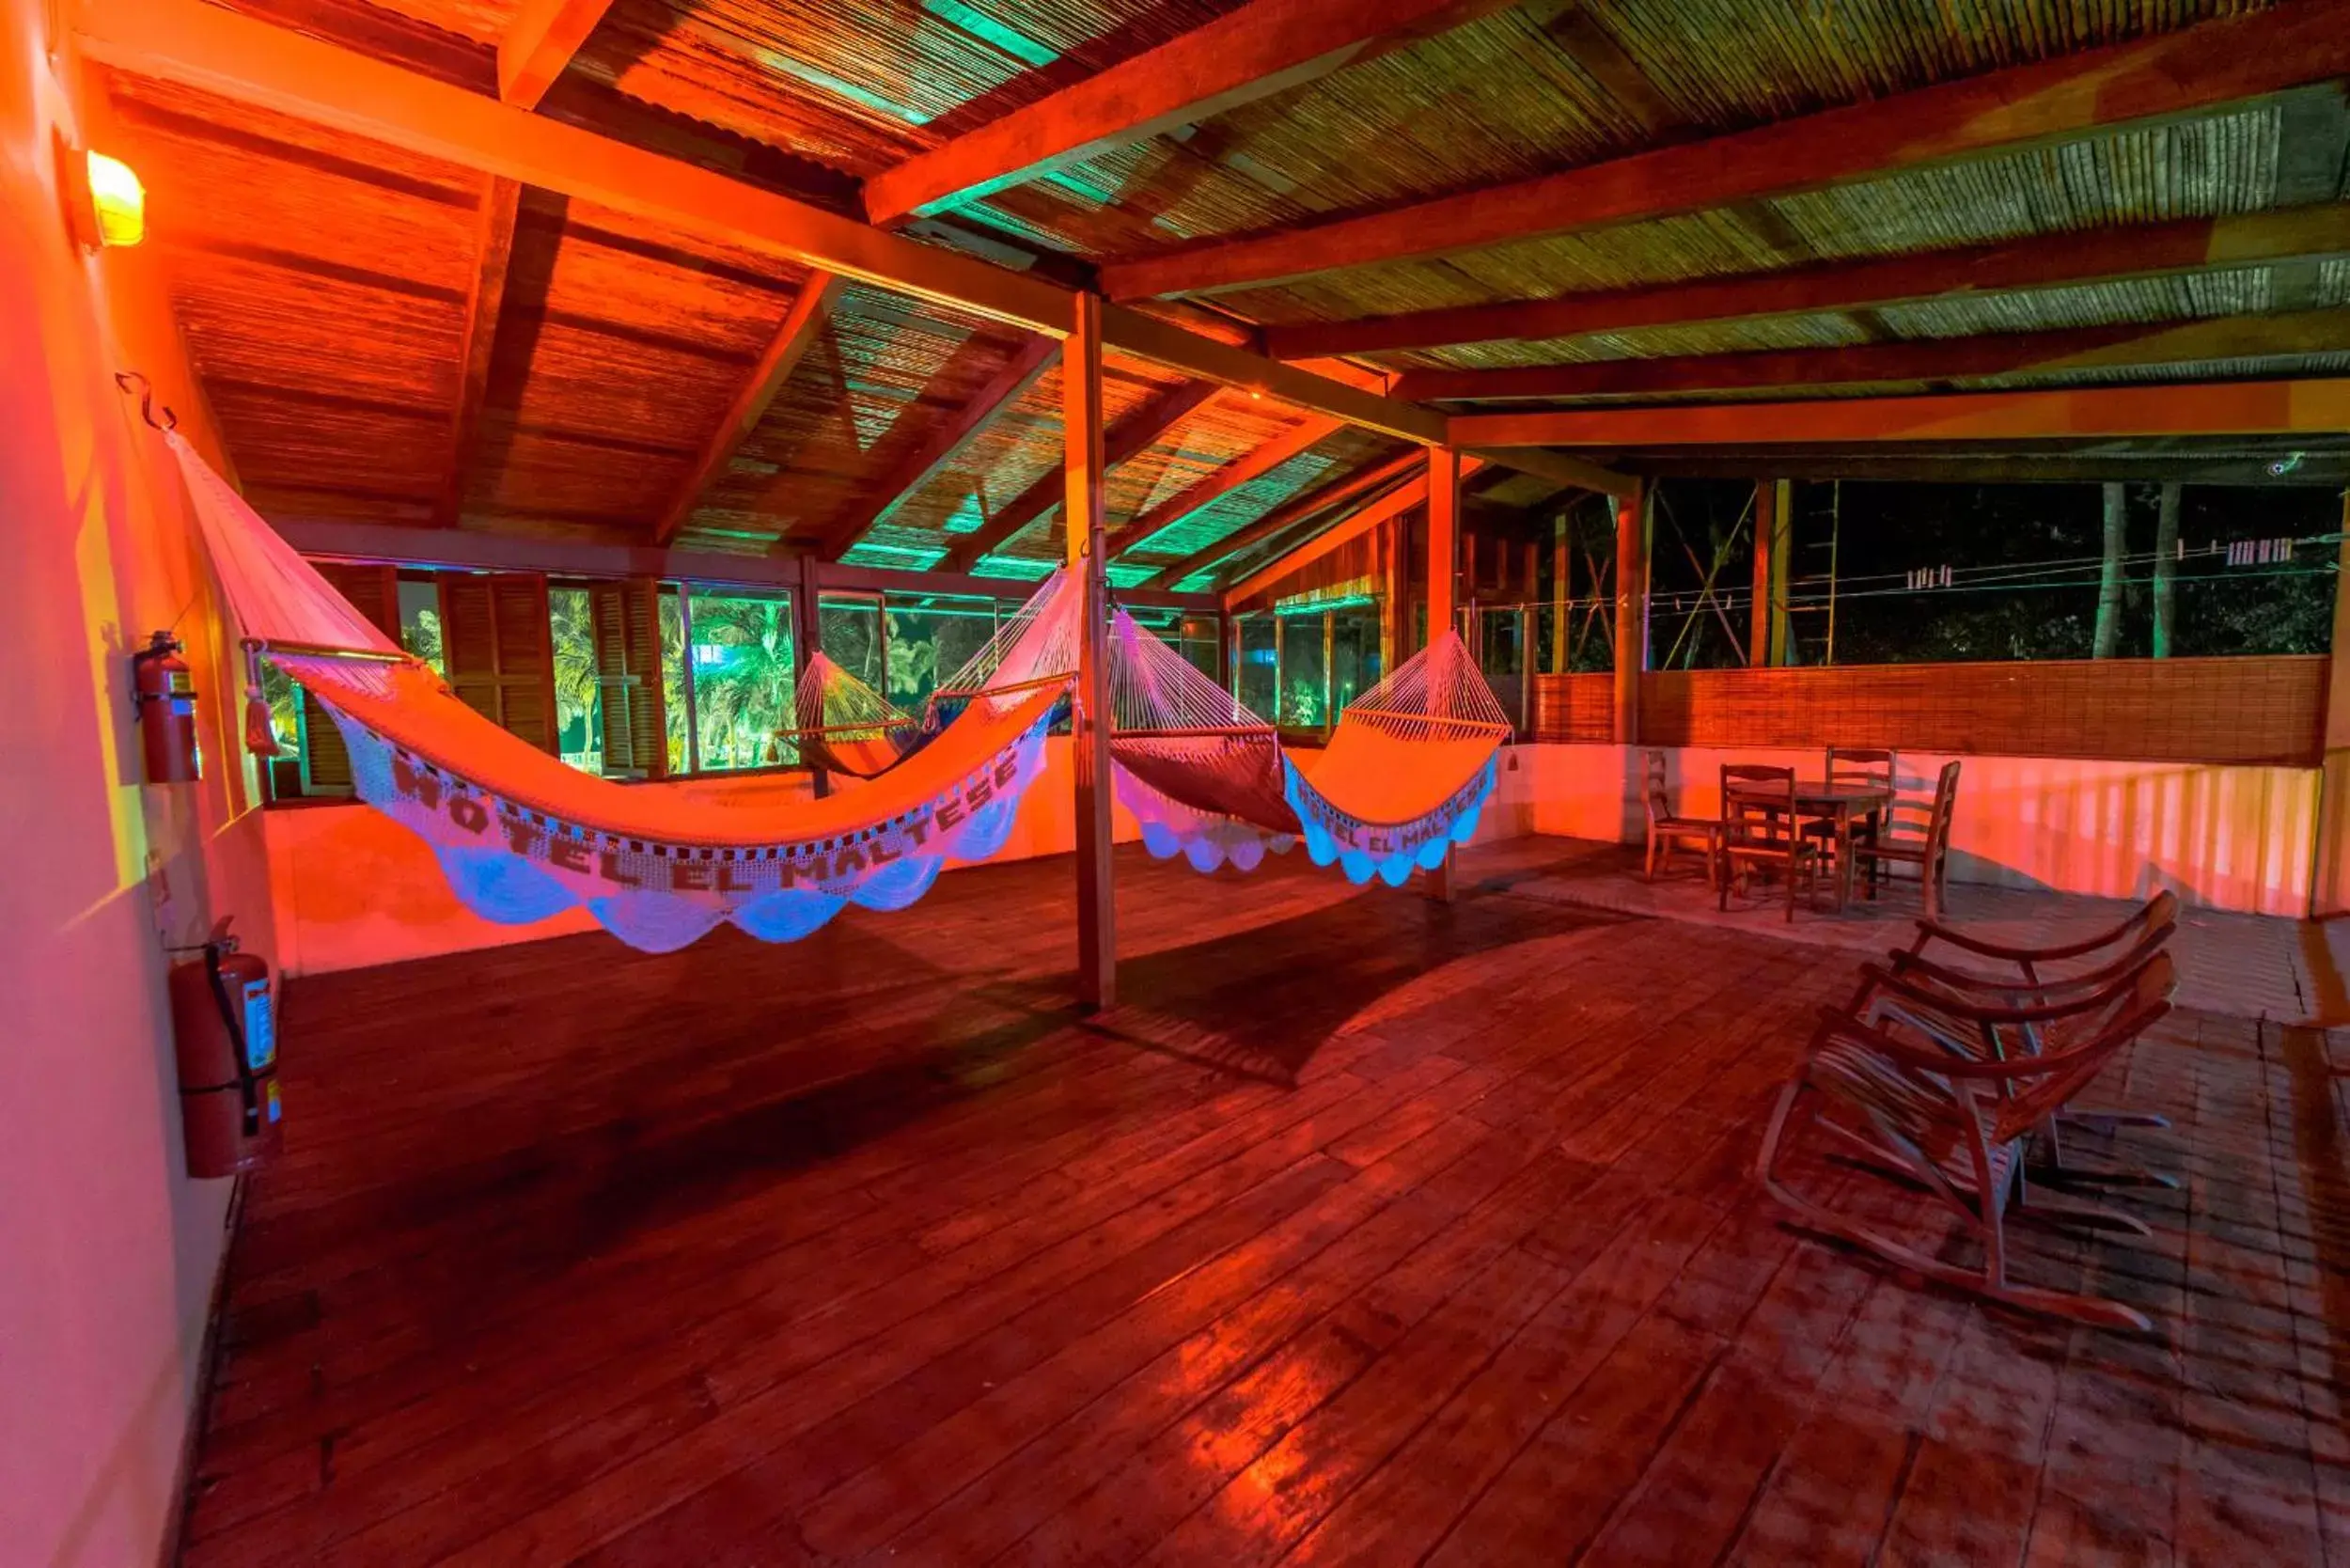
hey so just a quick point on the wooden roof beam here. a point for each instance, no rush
(540, 43)
(1129, 437)
(1305, 552)
(2213, 408)
(944, 444)
(2125, 343)
(493, 248)
(2196, 69)
(802, 325)
(1266, 47)
(1247, 468)
(1351, 491)
(207, 46)
(2312, 234)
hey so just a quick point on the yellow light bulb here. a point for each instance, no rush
(119, 199)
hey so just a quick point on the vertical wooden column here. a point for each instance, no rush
(808, 640)
(1089, 715)
(1561, 579)
(2329, 867)
(1631, 611)
(1444, 546)
(1782, 553)
(1761, 650)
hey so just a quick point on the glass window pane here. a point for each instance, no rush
(1198, 639)
(931, 636)
(578, 699)
(848, 629)
(420, 622)
(741, 665)
(1305, 687)
(674, 711)
(1254, 665)
(1354, 655)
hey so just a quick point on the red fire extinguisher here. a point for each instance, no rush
(163, 696)
(225, 1022)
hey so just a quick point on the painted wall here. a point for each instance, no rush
(353, 889)
(2222, 838)
(107, 1252)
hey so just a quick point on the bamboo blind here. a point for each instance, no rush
(2260, 710)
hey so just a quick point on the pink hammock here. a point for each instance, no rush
(1196, 768)
(846, 725)
(521, 836)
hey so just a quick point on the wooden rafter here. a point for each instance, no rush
(1132, 435)
(2218, 408)
(2176, 73)
(493, 247)
(2093, 255)
(1247, 468)
(2127, 343)
(941, 446)
(1266, 47)
(802, 325)
(213, 48)
(1392, 505)
(540, 43)
(1349, 491)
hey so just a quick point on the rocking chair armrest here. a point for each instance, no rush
(1931, 932)
(1943, 1064)
(1974, 1008)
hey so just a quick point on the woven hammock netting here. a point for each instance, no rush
(520, 835)
(845, 725)
(1406, 775)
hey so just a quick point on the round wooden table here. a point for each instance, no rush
(1818, 799)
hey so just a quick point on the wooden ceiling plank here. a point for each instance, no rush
(2197, 68)
(2313, 233)
(1264, 47)
(540, 43)
(1129, 437)
(944, 444)
(2209, 408)
(803, 325)
(209, 47)
(493, 248)
(1247, 468)
(1306, 551)
(2125, 343)
(1356, 487)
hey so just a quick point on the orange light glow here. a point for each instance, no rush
(118, 199)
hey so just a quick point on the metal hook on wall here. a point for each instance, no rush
(130, 381)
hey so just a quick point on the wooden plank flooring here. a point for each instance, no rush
(1367, 1231)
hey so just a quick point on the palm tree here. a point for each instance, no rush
(744, 696)
(572, 624)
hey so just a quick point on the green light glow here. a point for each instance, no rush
(1017, 45)
(1319, 606)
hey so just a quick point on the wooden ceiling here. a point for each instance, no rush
(1609, 208)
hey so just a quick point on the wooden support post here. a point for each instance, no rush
(2329, 867)
(1782, 554)
(1089, 716)
(1444, 549)
(1760, 651)
(1631, 611)
(1561, 580)
(808, 640)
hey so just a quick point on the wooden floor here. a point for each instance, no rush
(1367, 1231)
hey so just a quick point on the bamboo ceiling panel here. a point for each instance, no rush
(480, 21)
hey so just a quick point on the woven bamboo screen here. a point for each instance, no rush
(2268, 709)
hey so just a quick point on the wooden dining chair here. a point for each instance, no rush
(1667, 828)
(1905, 840)
(1958, 1125)
(1762, 832)
(1861, 768)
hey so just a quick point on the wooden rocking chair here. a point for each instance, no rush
(1958, 1125)
(1667, 829)
(2028, 980)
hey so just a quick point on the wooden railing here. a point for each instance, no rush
(2264, 711)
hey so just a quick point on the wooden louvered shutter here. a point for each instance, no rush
(374, 592)
(498, 652)
(627, 621)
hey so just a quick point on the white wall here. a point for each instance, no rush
(2222, 838)
(108, 1252)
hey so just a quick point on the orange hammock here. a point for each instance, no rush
(521, 835)
(846, 725)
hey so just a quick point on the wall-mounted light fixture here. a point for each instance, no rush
(105, 204)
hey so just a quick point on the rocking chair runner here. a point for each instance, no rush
(1958, 1125)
